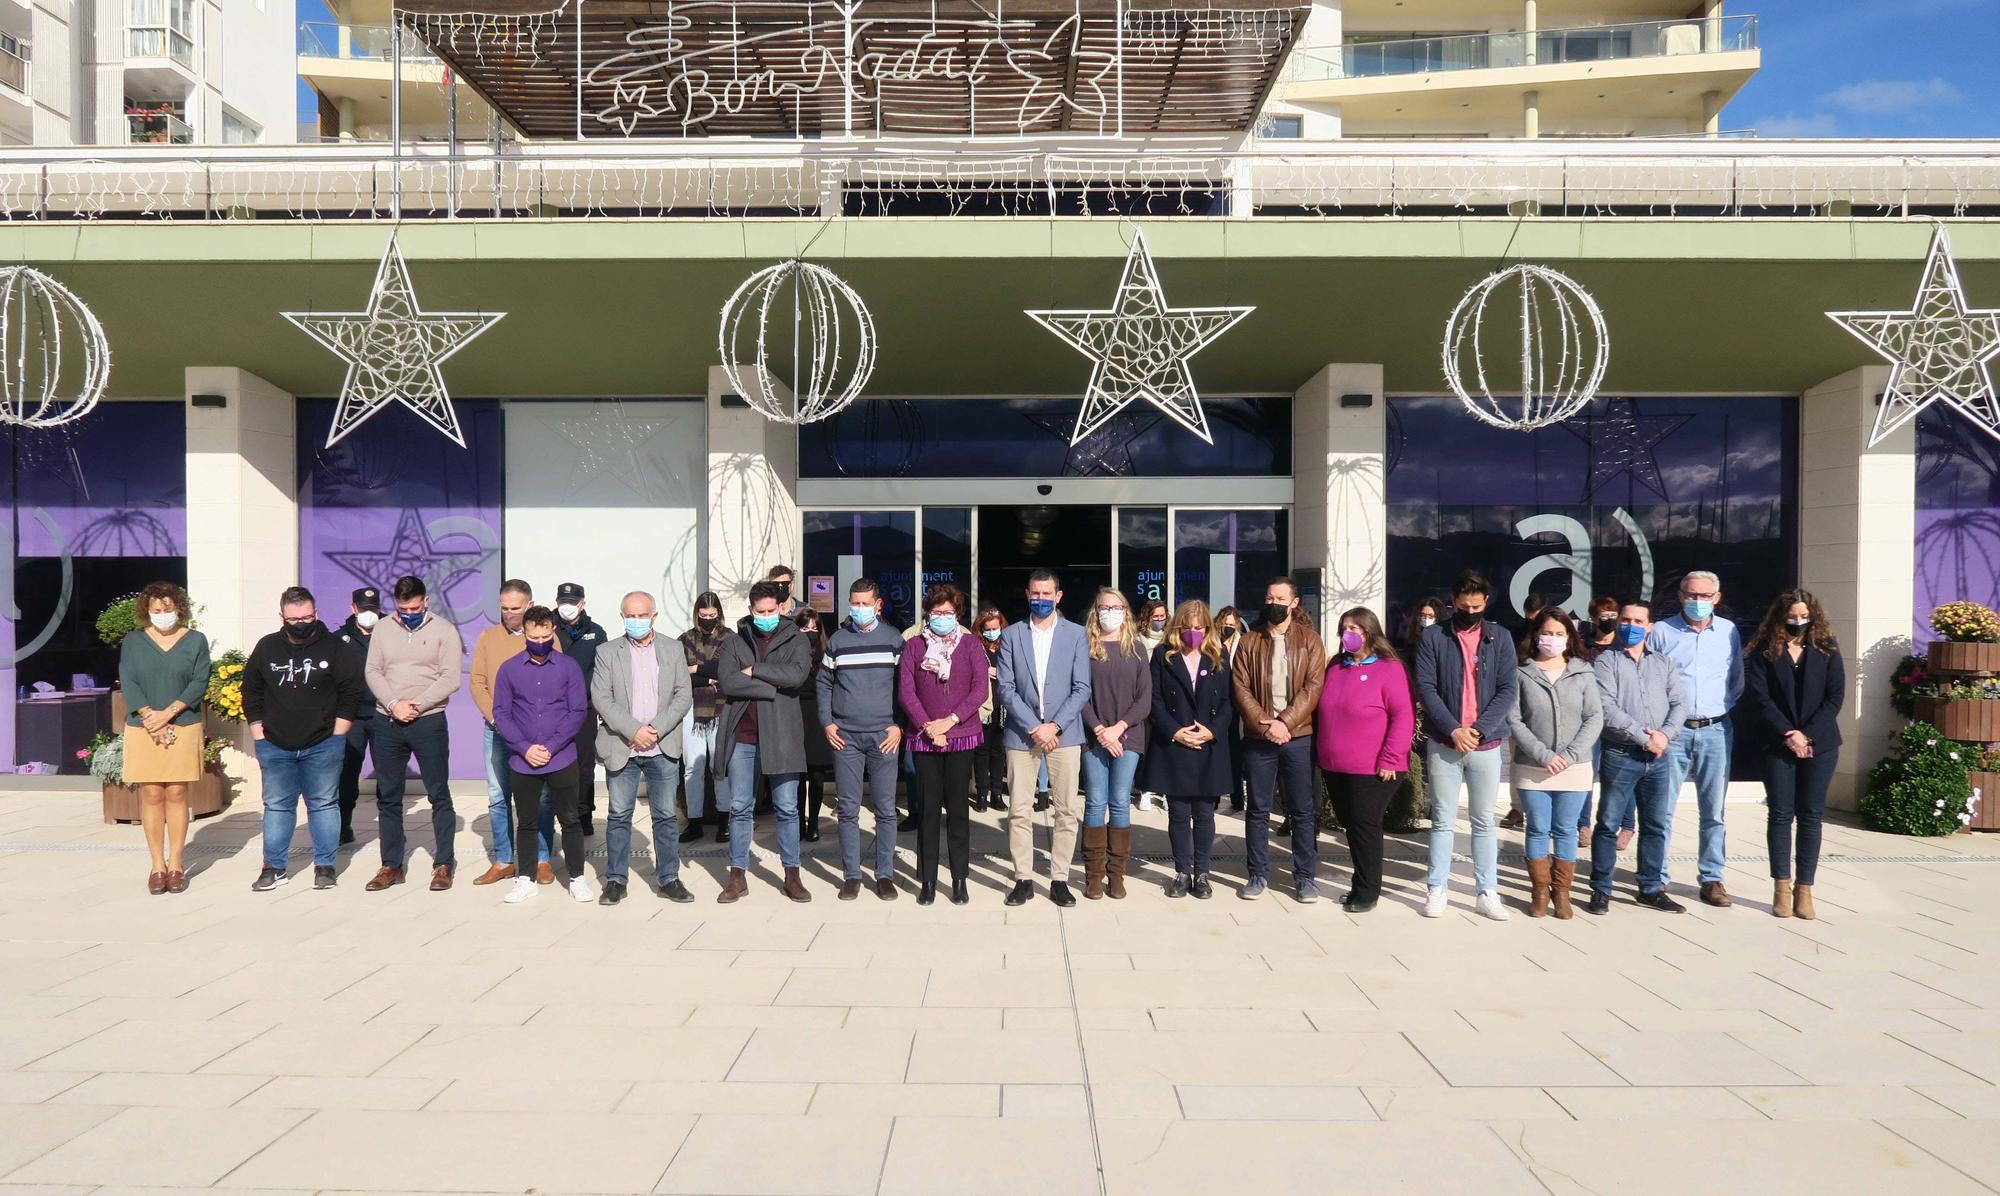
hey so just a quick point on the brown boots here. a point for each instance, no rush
(1094, 840)
(734, 889)
(1539, 872)
(1802, 905)
(1562, 874)
(1781, 898)
(1118, 848)
(794, 887)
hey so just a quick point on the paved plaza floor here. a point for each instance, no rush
(407, 1041)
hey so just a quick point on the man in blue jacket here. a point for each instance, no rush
(1044, 685)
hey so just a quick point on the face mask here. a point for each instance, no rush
(1551, 645)
(1351, 642)
(943, 624)
(766, 624)
(299, 633)
(638, 629)
(569, 611)
(539, 649)
(411, 619)
(1466, 620)
(164, 620)
(1159, 625)
(708, 622)
(366, 620)
(1276, 613)
(1041, 608)
(1697, 609)
(1228, 633)
(1427, 620)
(1111, 620)
(863, 616)
(1607, 624)
(990, 635)
(1191, 639)
(1631, 636)
(1797, 626)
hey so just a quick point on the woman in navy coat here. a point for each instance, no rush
(1188, 756)
(1793, 684)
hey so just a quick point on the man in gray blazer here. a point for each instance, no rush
(1044, 685)
(639, 689)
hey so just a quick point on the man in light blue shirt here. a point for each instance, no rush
(1709, 654)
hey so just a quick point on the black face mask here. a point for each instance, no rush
(708, 624)
(1228, 633)
(1465, 620)
(1276, 613)
(1606, 624)
(299, 633)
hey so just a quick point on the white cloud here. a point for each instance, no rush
(1877, 97)
(1820, 124)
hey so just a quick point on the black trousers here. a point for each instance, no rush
(1795, 790)
(586, 771)
(1191, 829)
(359, 736)
(989, 764)
(1360, 801)
(942, 793)
(429, 740)
(562, 788)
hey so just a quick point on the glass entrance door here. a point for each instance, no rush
(1016, 541)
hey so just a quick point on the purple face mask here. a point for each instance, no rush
(1192, 637)
(1351, 642)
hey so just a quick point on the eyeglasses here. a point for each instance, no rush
(1694, 596)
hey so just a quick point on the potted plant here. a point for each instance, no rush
(105, 758)
(1984, 777)
(1965, 710)
(1970, 639)
(1922, 787)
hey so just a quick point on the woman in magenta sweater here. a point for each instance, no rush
(941, 683)
(1361, 736)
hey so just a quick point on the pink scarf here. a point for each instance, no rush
(938, 651)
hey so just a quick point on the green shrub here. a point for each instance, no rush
(1921, 787)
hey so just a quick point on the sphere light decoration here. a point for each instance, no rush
(825, 356)
(1561, 339)
(40, 323)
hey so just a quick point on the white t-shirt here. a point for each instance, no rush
(1043, 640)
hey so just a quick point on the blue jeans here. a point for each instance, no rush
(658, 772)
(697, 756)
(499, 797)
(1107, 787)
(1597, 770)
(1478, 774)
(743, 807)
(312, 773)
(1702, 756)
(1551, 814)
(1632, 775)
(863, 773)
(1270, 770)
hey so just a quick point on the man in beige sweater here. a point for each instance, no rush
(495, 646)
(413, 671)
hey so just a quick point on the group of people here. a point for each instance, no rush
(967, 707)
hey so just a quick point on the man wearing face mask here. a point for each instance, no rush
(301, 690)
(1707, 650)
(413, 669)
(539, 708)
(579, 637)
(1044, 685)
(762, 733)
(1279, 670)
(640, 690)
(365, 607)
(857, 700)
(701, 645)
(1640, 692)
(496, 646)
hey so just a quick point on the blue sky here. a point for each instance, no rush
(1872, 68)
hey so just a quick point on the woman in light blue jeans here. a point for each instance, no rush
(1121, 700)
(1556, 721)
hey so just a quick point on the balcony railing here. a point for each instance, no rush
(13, 71)
(159, 128)
(1484, 51)
(364, 43)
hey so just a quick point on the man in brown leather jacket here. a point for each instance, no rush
(1277, 674)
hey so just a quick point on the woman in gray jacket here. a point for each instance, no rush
(1555, 725)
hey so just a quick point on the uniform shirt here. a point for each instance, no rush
(1710, 662)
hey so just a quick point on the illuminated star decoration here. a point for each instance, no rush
(1939, 349)
(609, 447)
(411, 553)
(1140, 348)
(393, 351)
(1107, 455)
(627, 108)
(1623, 441)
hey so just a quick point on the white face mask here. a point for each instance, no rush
(569, 611)
(165, 620)
(1427, 620)
(366, 620)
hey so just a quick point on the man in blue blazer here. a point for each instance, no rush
(1044, 684)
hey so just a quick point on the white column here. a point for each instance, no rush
(753, 508)
(1711, 112)
(1338, 516)
(242, 511)
(1857, 553)
(1531, 114)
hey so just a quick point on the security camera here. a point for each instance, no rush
(1045, 490)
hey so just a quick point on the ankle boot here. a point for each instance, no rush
(1118, 849)
(1539, 872)
(1802, 903)
(1093, 861)
(1561, 876)
(794, 887)
(1781, 898)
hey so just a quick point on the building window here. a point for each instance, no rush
(158, 122)
(1958, 515)
(162, 29)
(1281, 128)
(237, 130)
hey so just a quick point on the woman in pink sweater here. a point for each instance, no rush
(941, 683)
(1361, 736)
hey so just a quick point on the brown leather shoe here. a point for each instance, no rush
(177, 881)
(734, 889)
(1712, 893)
(885, 888)
(1514, 820)
(383, 879)
(850, 889)
(794, 887)
(156, 884)
(440, 878)
(1562, 874)
(494, 874)
(545, 873)
(1802, 903)
(1781, 898)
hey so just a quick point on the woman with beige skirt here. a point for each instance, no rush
(163, 671)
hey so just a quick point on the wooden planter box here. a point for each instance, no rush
(1968, 721)
(1949, 657)
(209, 795)
(1986, 815)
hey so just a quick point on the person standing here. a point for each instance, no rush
(1044, 683)
(1468, 677)
(1428, 614)
(1595, 637)
(1362, 731)
(856, 683)
(1277, 676)
(1229, 625)
(412, 671)
(540, 703)
(300, 692)
(1191, 698)
(819, 752)
(163, 672)
(1555, 727)
(1120, 706)
(1640, 692)
(763, 668)
(1152, 632)
(495, 646)
(989, 760)
(1794, 684)
(641, 693)
(941, 684)
(701, 646)
(579, 637)
(1707, 650)
(364, 612)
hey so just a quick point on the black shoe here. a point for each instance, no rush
(691, 833)
(1236, 807)
(675, 892)
(1660, 901)
(1599, 904)
(1200, 889)
(1358, 905)
(907, 825)
(1023, 889)
(323, 876)
(1282, 827)
(614, 892)
(958, 894)
(1178, 886)
(926, 893)
(1060, 894)
(722, 832)
(811, 832)
(589, 827)
(1041, 801)
(346, 835)
(268, 879)
(997, 802)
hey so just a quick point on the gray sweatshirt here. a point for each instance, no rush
(857, 678)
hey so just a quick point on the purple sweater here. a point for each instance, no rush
(922, 697)
(1365, 718)
(539, 703)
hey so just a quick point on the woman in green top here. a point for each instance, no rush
(163, 671)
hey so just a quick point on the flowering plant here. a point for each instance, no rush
(1911, 680)
(225, 685)
(1966, 623)
(105, 757)
(1922, 787)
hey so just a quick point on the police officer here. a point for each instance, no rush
(365, 610)
(580, 638)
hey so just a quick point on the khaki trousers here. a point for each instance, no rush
(1022, 770)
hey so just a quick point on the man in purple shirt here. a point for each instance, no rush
(539, 704)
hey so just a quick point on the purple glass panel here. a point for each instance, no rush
(395, 498)
(1958, 515)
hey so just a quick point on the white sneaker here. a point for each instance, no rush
(1436, 897)
(580, 889)
(1488, 905)
(524, 888)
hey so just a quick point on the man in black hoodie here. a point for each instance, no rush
(580, 637)
(366, 608)
(301, 689)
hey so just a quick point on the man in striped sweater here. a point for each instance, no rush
(857, 698)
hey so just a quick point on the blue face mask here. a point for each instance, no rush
(411, 619)
(638, 629)
(991, 633)
(766, 624)
(943, 624)
(1697, 609)
(1041, 608)
(1630, 635)
(863, 616)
